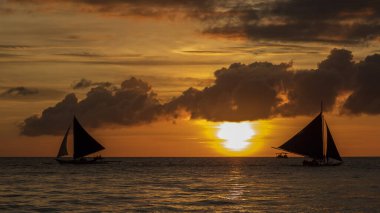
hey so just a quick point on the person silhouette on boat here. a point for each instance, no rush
(98, 157)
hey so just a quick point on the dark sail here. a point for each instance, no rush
(332, 151)
(84, 144)
(309, 141)
(63, 148)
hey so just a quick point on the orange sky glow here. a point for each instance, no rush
(49, 49)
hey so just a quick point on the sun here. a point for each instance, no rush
(235, 135)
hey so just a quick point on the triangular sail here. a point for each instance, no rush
(332, 151)
(308, 141)
(84, 144)
(63, 148)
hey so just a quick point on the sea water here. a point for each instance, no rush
(189, 184)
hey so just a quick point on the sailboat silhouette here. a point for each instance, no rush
(83, 143)
(310, 142)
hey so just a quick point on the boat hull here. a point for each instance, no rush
(81, 161)
(318, 163)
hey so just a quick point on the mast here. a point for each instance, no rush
(321, 107)
(323, 133)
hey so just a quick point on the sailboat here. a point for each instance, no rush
(311, 142)
(84, 144)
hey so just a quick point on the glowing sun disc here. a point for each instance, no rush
(235, 135)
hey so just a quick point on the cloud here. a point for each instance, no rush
(19, 91)
(263, 90)
(84, 83)
(366, 96)
(13, 46)
(150, 8)
(122, 62)
(53, 119)
(81, 54)
(240, 92)
(127, 8)
(306, 89)
(131, 104)
(339, 21)
(302, 21)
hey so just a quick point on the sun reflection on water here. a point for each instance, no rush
(236, 189)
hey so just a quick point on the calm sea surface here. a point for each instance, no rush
(189, 184)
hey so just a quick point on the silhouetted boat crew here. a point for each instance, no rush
(310, 142)
(282, 155)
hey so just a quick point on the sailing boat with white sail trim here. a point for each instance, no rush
(310, 142)
(84, 144)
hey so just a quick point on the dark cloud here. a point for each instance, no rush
(366, 96)
(277, 48)
(338, 21)
(130, 104)
(81, 54)
(263, 90)
(307, 88)
(175, 82)
(152, 8)
(53, 119)
(240, 92)
(19, 91)
(28, 94)
(102, 84)
(259, 90)
(85, 83)
(144, 8)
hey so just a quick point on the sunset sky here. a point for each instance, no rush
(177, 78)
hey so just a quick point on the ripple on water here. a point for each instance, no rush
(189, 184)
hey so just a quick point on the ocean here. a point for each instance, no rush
(189, 185)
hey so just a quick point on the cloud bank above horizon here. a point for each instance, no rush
(260, 90)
